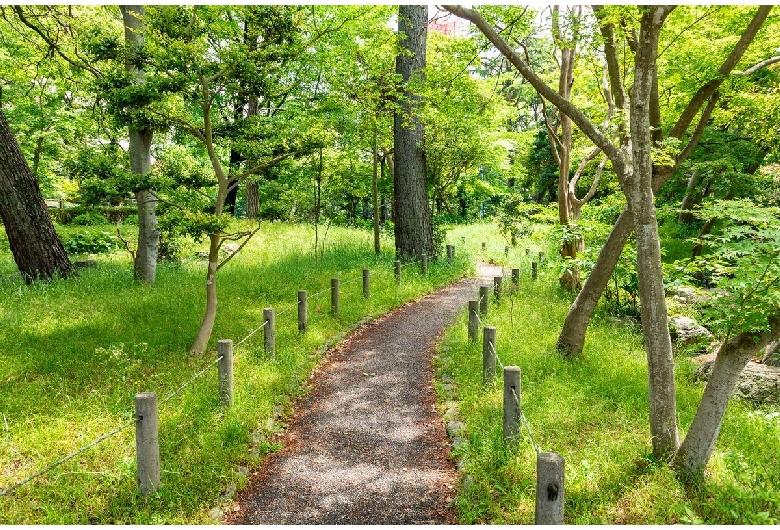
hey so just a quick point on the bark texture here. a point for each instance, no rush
(140, 145)
(730, 360)
(413, 230)
(35, 245)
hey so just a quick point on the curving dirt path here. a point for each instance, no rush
(367, 445)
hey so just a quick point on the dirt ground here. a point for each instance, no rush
(367, 445)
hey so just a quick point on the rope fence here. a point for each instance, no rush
(549, 465)
(146, 415)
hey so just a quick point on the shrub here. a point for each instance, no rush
(91, 243)
(90, 219)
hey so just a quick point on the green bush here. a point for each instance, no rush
(91, 243)
(90, 219)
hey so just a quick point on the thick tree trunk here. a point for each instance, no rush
(639, 192)
(140, 144)
(36, 248)
(413, 231)
(730, 360)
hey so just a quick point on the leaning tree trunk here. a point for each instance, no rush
(35, 245)
(413, 231)
(572, 336)
(732, 356)
(140, 145)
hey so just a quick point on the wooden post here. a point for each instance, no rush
(424, 263)
(511, 403)
(147, 443)
(506, 250)
(497, 286)
(483, 299)
(303, 319)
(225, 372)
(366, 284)
(269, 332)
(473, 320)
(398, 272)
(549, 488)
(534, 268)
(528, 252)
(488, 355)
(483, 245)
(450, 252)
(515, 276)
(334, 295)
(541, 257)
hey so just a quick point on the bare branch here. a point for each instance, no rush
(756, 67)
(126, 242)
(242, 245)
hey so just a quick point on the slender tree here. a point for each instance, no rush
(140, 145)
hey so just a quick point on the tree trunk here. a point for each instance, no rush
(375, 194)
(638, 188)
(686, 215)
(252, 200)
(140, 144)
(413, 231)
(36, 248)
(207, 325)
(732, 356)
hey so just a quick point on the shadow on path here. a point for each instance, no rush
(367, 445)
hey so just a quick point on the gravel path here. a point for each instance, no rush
(367, 445)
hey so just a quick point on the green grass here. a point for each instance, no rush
(593, 411)
(74, 353)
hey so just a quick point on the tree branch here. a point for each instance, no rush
(577, 116)
(709, 88)
(756, 67)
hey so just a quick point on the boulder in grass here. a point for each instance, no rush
(758, 383)
(689, 336)
(230, 248)
(772, 354)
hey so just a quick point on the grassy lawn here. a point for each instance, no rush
(593, 411)
(74, 353)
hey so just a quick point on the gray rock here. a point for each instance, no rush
(202, 254)
(688, 295)
(772, 354)
(689, 335)
(230, 248)
(758, 383)
(455, 429)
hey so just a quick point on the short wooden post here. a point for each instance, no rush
(366, 284)
(511, 403)
(506, 250)
(549, 488)
(334, 295)
(450, 252)
(534, 268)
(514, 240)
(483, 245)
(269, 332)
(424, 263)
(528, 252)
(225, 372)
(515, 276)
(147, 443)
(303, 311)
(483, 299)
(498, 282)
(488, 355)
(541, 257)
(473, 320)
(398, 272)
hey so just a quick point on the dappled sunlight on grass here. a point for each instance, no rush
(74, 353)
(593, 411)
